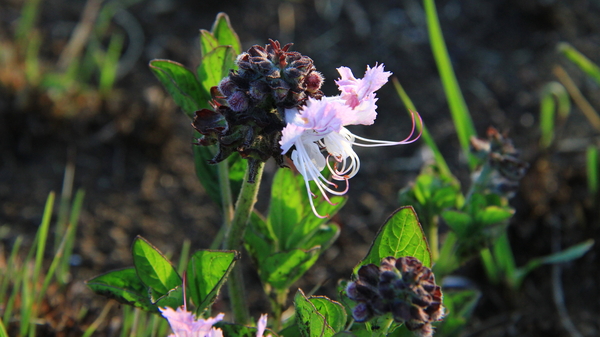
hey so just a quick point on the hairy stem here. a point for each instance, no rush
(234, 241)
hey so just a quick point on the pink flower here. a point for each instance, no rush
(261, 325)
(185, 324)
(319, 126)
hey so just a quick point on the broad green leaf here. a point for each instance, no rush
(282, 269)
(124, 286)
(181, 84)
(334, 312)
(493, 215)
(206, 272)
(400, 235)
(153, 268)
(224, 33)
(291, 331)
(324, 237)
(259, 241)
(173, 299)
(303, 232)
(310, 321)
(215, 65)
(286, 208)
(208, 42)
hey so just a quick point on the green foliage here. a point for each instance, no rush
(460, 305)
(154, 282)
(593, 170)
(318, 316)
(24, 282)
(207, 272)
(286, 244)
(458, 108)
(587, 66)
(400, 235)
(554, 99)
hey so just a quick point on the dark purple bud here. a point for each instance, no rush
(209, 122)
(362, 312)
(369, 274)
(238, 101)
(227, 86)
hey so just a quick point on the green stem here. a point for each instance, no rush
(481, 182)
(385, 327)
(432, 236)
(234, 241)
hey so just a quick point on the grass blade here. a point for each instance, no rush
(456, 102)
(590, 113)
(592, 169)
(554, 99)
(441, 162)
(587, 66)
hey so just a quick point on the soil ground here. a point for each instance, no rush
(132, 152)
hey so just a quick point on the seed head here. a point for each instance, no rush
(403, 287)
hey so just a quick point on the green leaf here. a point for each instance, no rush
(173, 299)
(215, 65)
(181, 84)
(324, 237)
(459, 306)
(153, 268)
(124, 286)
(551, 92)
(587, 66)
(400, 235)
(334, 312)
(208, 42)
(259, 241)
(224, 33)
(458, 108)
(569, 254)
(459, 222)
(282, 269)
(310, 321)
(286, 208)
(206, 272)
(303, 232)
(493, 215)
(208, 173)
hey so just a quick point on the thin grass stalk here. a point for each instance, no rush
(42, 235)
(62, 273)
(99, 320)
(10, 268)
(3, 332)
(185, 256)
(456, 102)
(64, 203)
(590, 113)
(426, 136)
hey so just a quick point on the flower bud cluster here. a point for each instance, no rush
(403, 287)
(249, 105)
(500, 153)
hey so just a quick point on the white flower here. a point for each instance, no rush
(319, 126)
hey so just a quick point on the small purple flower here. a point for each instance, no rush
(320, 125)
(185, 324)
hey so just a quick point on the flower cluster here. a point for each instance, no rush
(403, 287)
(320, 126)
(500, 154)
(185, 324)
(249, 104)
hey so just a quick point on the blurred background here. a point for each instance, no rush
(76, 95)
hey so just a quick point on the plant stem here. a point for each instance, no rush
(432, 236)
(481, 182)
(226, 202)
(234, 241)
